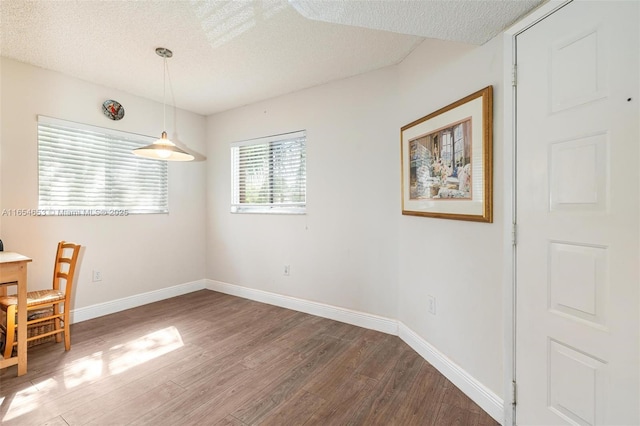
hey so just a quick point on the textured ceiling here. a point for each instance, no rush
(232, 53)
(474, 22)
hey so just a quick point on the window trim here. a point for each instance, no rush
(299, 208)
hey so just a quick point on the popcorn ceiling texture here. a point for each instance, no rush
(474, 21)
(232, 53)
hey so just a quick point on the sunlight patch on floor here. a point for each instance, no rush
(91, 368)
(144, 349)
(22, 402)
(47, 385)
(83, 370)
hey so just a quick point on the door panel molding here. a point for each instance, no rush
(576, 203)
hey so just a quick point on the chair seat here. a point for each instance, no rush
(37, 297)
(43, 307)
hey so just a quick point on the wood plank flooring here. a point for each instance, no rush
(207, 358)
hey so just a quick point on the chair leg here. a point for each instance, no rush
(10, 331)
(56, 311)
(67, 330)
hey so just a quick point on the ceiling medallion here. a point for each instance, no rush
(112, 109)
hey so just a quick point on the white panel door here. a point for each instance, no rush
(578, 187)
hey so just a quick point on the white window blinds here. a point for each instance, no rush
(82, 167)
(269, 175)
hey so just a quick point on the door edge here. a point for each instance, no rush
(509, 294)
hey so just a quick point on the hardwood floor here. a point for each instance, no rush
(212, 359)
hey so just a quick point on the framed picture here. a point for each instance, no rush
(447, 161)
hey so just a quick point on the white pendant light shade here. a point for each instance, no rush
(163, 148)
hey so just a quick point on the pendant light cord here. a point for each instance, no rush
(164, 96)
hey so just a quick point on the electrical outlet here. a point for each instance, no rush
(286, 270)
(97, 276)
(431, 304)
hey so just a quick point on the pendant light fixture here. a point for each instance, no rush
(163, 148)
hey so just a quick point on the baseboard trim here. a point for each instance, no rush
(475, 390)
(361, 319)
(480, 394)
(113, 306)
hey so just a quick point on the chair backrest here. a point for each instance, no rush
(65, 267)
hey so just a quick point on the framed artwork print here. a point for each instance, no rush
(447, 161)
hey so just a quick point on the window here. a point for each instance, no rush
(447, 147)
(269, 175)
(84, 168)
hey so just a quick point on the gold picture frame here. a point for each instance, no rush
(447, 161)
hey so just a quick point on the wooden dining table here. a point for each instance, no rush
(13, 271)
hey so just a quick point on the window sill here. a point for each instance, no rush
(269, 210)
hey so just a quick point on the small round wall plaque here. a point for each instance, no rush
(113, 109)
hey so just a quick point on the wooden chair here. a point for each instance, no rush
(44, 305)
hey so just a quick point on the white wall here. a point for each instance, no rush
(136, 254)
(354, 249)
(343, 251)
(459, 263)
